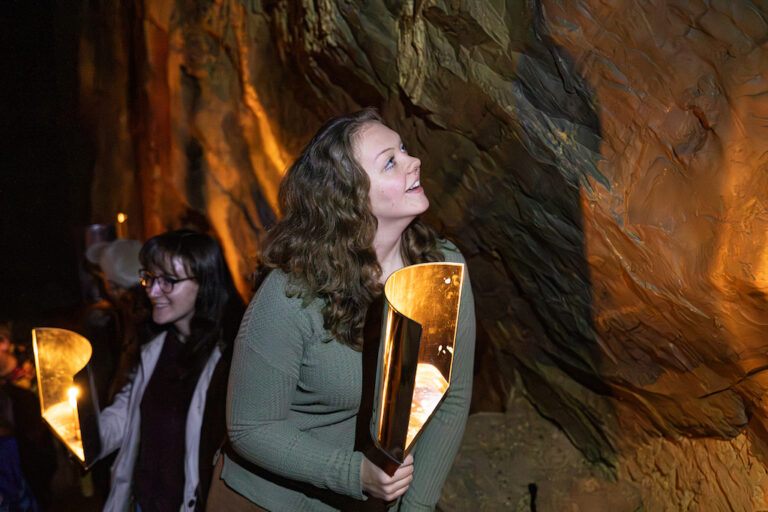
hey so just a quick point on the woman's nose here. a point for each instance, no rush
(414, 164)
(154, 289)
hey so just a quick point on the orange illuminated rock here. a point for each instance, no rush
(602, 165)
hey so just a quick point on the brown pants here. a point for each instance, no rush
(221, 498)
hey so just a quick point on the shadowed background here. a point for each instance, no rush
(602, 165)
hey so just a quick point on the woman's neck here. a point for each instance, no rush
(387, 247)
(182, 331)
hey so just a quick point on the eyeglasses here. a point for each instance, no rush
(166, 283)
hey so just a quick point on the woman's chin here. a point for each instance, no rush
(160, 318)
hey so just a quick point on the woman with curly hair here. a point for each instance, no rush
(351, 205)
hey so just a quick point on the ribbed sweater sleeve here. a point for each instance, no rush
(436, 448)
(265, 371)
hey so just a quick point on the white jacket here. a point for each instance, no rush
(119, 426)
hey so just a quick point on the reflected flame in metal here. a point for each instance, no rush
(416, 354)
(60, 359)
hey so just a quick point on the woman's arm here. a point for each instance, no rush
(113, 419)
(436, 448)
(265, 371)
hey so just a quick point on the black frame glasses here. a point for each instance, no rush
(166, 283)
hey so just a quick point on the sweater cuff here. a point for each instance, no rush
(356, 476)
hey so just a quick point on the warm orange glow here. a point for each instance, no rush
(72, 395)
(429, 294)
(417, 350)
(122, 225)
(429, 390)
(258, 122)
(386, 362)
(59, 355)
(63, 417)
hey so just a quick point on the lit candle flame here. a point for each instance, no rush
(72, 394)
(121, 217)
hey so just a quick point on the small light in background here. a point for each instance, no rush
(122, 225)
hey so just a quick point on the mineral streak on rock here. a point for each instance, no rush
(602, 165)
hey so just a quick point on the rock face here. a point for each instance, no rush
(601, 164)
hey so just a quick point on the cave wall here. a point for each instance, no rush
(601, 165)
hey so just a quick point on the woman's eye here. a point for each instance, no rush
(390, 163)
(402, 148)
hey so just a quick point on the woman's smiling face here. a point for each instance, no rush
(176, 307)
(395, 194)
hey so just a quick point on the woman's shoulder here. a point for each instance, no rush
(275, 285)
(274, 278)
(152, 346)
(273, 312)
(279, 291)
(154, 342)
(450, 252)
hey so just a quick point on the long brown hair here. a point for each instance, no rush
(218, 307)
(324, 241)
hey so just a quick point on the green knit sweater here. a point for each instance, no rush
(293, 399)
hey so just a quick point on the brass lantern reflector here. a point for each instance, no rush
(67, 397)
(416, 353)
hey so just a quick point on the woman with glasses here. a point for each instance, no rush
(351, 204)
(168, 420)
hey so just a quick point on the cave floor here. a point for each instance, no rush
(519, 461)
